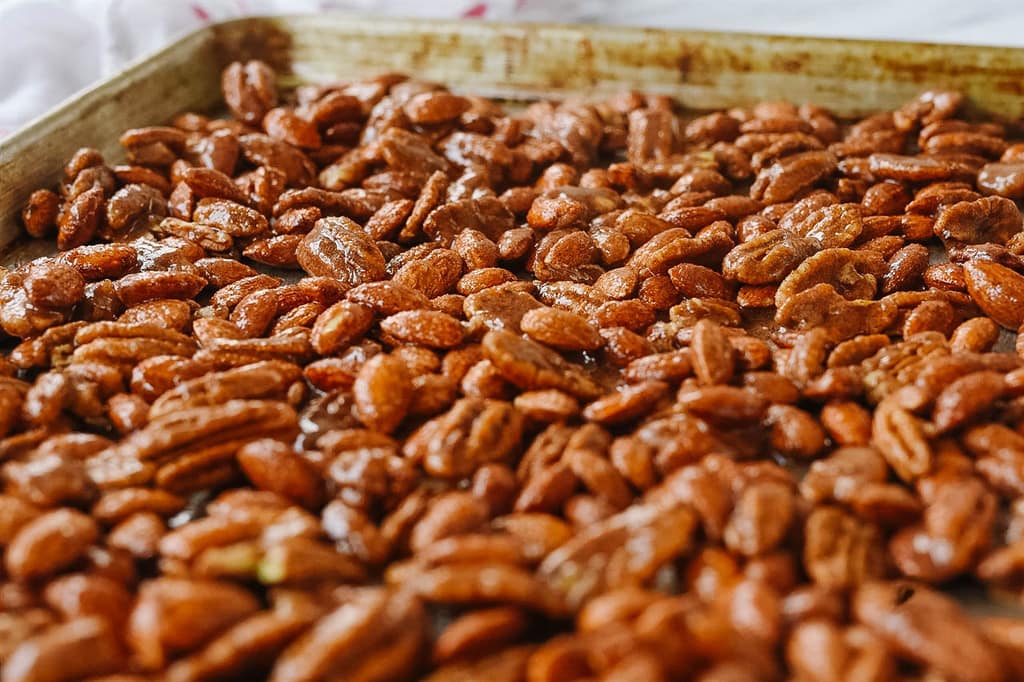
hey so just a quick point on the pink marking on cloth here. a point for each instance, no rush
(201, 13)
(476, 11)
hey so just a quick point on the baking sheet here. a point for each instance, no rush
(704, 70)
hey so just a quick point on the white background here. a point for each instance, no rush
(51, 48)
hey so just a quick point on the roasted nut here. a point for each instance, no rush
(340, 326)
(471, 433)
(80, 219)
(49, 543)
(176, 615)
(606, 558)
(430, 328)
(927, 627)
(338, 247)
(760, 520)
(767, 258)
(997, 290)
(560, 329)
(382, 392)
(988, 220)
(76, 649)
(249, 90)
(40, 213)
(271, 465)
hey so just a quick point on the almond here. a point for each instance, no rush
(998, 291)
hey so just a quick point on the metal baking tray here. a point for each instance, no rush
(703, 70)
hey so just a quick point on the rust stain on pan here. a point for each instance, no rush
(545, 59)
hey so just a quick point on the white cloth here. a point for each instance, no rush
(50, 49)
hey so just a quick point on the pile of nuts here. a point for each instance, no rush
(385, 383)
